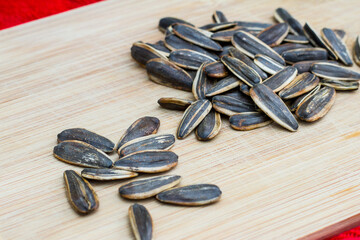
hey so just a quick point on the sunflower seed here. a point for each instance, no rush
(304, 66)
(230, 105)
(142, 53)
(241, 70)
(302, 98)
(223, 85)
(244, 88)
(337, 45)
(340, 33)
(80, 193)
(195, 36)
(304, 54)
(219, 17)
(148, 187)
(141, 127)
(280, 79)
(225, 35)
(200, 83)
(273, 106)
(357, 51)
(141, 222)
(340, 85)
(303, 83)
(81, 154)
(281, 15)
(83, 135)
(168, 74)
(334, 72)
(160, 46)
(104, 174)
(191, 195)
(214, 27)
(174, 103)
(274, 34)
(189, 59)
(166, 22)
(290, 38)
(253, 25)
(151, 142)
(209, 127)
(289, 46)
(148, 161)
(249, 121)
(267, 64)
(251, 45)
(316, 106)
(192, 117)
(216, 70)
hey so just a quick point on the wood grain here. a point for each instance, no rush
(74, 70)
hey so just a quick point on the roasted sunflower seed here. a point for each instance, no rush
(219, 17)
(168, 74)
(303, 83)
(281, 15)
(249, 120)
(340, 85)
(316, 106)
(253, 25)
(192, 117)
(148, 187)
(229, 105)
(223, 85)
(304, 54)
(280, 79)
(274, 34)
(298, 101)
(81, 154)
(200, 83)
(304, 66)
(357, 51)
(209, 126)
(105, 174)
(290, 38)
(80, 193)
(334, 72)
(189, 59)
(174, 103)
(214, 27)
(225, 35)
(267, 64)
(273, 106)
(191, 195)
(142, 53)
(216, 70)
(141, 222)
(166, 22)
(289, 46)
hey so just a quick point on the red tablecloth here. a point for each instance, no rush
(15, 12)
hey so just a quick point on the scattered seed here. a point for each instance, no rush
(303, 83)
(267, 64)
(274, 34)
(229, 105)
(334, 72)
(174, 103)
(214, 27)
(216, 70)
(209, 127)
(289, 46)
(104, 174)
(304, 54)
(219, 17)
(300, 39)
(304, 66)
(166, 22)
(223, 85)
(281, 79)
(141, 222)
(249, 121)
(142, 53)
(298, 101)
(200, 83)
(340, 85)
(189, 59)
(281, 15)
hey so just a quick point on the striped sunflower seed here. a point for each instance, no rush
(303, 83)
(84, 135)
(148, 161)
(81, 154)
(166, 22)
(168, 74)
(304, 66)
(141, 222)
(200, 83)
(189, 59)
(267, 64)
(357, 51)
(229, 105)
(340, 85)
(209, 127)
(105, 174)
(254, 26)
(148, 187)
(80, 193)
(249, 121)
(214, 27)
(225, 35)
(191, 195)
(223, 85)
(174, 103)
(298, 101)
(273, 106)
(251, 45)
(274, 34)
(334, 72)
(142, 53)
(219, 17)
(281, 15)
(281, 79)
(300, 39)
(316, 106)
(216, 70)
(141, 127)
(160, 46)
(304, 54)
(192, 117)
(289, 46)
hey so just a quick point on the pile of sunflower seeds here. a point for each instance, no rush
(140, 150)
(254, 73)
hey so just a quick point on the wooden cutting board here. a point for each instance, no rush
(75, 70)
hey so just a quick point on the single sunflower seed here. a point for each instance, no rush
(173, 103)
(281, 15)
(300, 39)
(166, 22)
(267, 64)
(281, 79)
(304, 66)
(340, 85)
(289, 46)
(105, 174)
(249, 121)
(141, 222)
(214, 27)
(200, 83)
(304, 54)
(357, 51)
(216, 70)
(334, 72)
(189, 59)
(209, 127)
(142, 53)
(303, 83)
(229, 105)
(219, 17)
(223, 85)
(274, 34)
(254, 26)
(299, 100)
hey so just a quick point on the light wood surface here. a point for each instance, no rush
(74, 70)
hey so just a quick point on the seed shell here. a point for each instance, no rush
(304, 66)
(209, 127)
(289, 46)
(304, 54)
(141, 222)
(249, 121)
(219, 17)
(80, 193)
(281, 79)
(303, 83)
(281, 15)
(173, 103)
(357, 51)
(274, 34)
(223, 85)
(216, 70)
(298, 101)
(340, 85)
(267, 64)
(166, 22)
(200, 83)
(148, 187)
(300, 39)
(105, 174)
(214, 27)
(189, 59)
(81, 154)
(253, 25)
(229, 105)
(334, 72)
(191, 195)
(142, 53)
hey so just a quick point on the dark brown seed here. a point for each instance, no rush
(160, 46)
(253, 25)
(357, 51)
(267, 64)
(316, 106)
(216, 70)
(230, 105)
(166, 22)
(141, 222)
(241, 70)
(195, 36)
(80, 193)
(168, 74)
(298, 101)
(305, 54)
(225, 35)
(105, 174)
(81, 154)
(274, 34)
(83, 135)
(209, 127)
(142, 53)
(219, 17)
(223, 85)
(334, 72)
(303, 83)
(340, 85)
(281, 15)
(148, 187)
(174, 103)
(149, 161)
(214, 27)
(191, 195)
(200, 83)
(304, 66)
(340, 33)
(244, 88)
(300, 39)
(141, 127)
(280, 79)
(189, 59)
(337, 45)
(273, 106)
(151, 142)
(251, 45)
(249, 121)
(289, 46)
(192, 117)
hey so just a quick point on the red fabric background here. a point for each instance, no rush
(15, 12)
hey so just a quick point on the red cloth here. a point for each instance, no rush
(15, 12)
